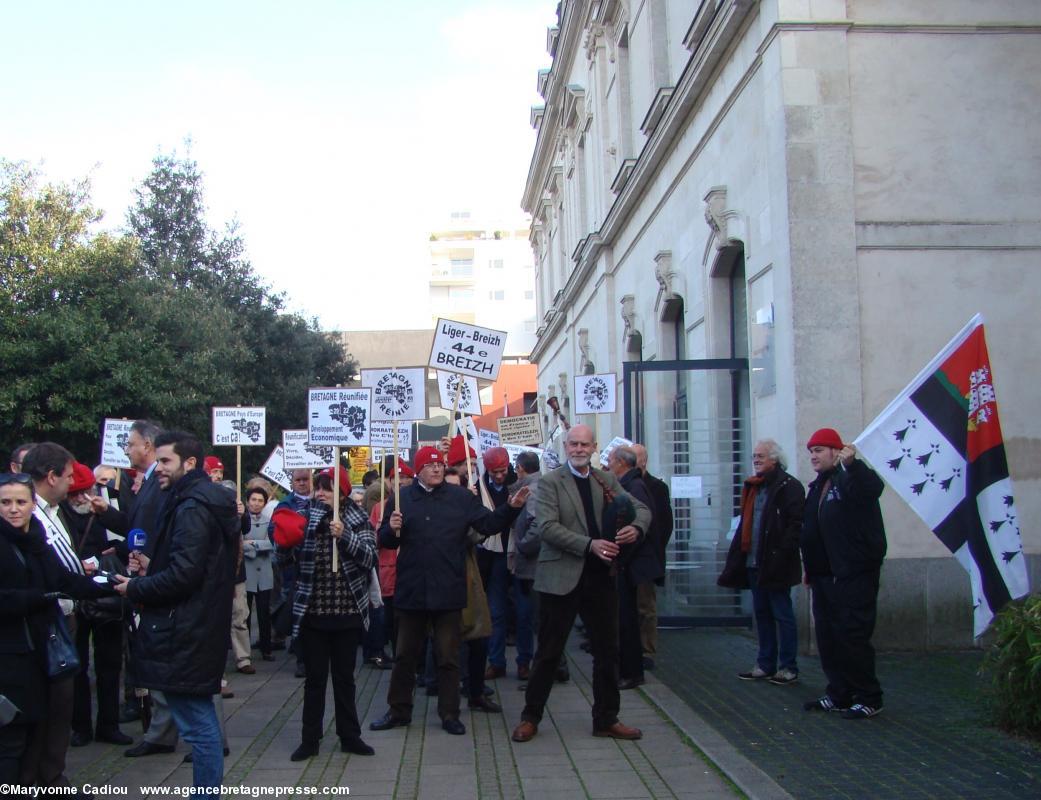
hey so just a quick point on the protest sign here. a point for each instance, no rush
(596, 394)
(115, 439)
(339, 416)
(471, 431)
(397, 394)
(617, 441)
(487, 440)
(380, 452)
(381, 434)
(358, 459)
(525, 429)
(448, 383)
(467, 349)
(238, 425)
(301, 454)
(515, 449)
(273, 468)
(685, 486)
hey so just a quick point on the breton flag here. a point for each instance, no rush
(939, 446)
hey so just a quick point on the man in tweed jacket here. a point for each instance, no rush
(576, 573)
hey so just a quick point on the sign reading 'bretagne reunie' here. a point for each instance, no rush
(114, 442)
(595, 394)
(525, 429)
(467, 349)
(301, 454)
(448, 384)
(339, 417)
(239, 425)
(397, 394)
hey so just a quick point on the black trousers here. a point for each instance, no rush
(263, 602)
(844, 614)
(412, 631)
(108, 656)
(476, 651)
(13, 740)
(320, 649)
(596, 598)
(390, 627)
(630, 647)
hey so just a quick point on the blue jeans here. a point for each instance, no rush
(500, 579)
(196, 719)
(775, 625)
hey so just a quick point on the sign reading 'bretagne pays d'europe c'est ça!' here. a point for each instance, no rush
(239, 425)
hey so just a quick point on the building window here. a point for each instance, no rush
(495, 263)
(497, 294)
(462, 267)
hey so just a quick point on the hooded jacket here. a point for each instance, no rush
(183, 637)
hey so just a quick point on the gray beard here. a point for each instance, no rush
(83, 509)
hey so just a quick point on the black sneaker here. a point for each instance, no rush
(755, 674)
(861, 711)
(823, 703)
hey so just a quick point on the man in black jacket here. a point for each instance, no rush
(764, 557)
(431, 532)
(638, 563)
(182, 641)
(843, 544)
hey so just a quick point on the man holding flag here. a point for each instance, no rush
(843, 544)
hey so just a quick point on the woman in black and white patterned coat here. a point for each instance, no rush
(330, 611)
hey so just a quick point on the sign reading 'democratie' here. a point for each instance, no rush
(595, 394)
(114, 443)
(448, 383)
(301, 454)
(525, 429)
(239, 425)
(381, 434)
(340, 417)
(274, 470)
(467, 349)
(397, 393)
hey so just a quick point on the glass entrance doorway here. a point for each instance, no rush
(693, 417)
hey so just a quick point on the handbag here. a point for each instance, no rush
(104, 609)
(476, 617)
(62, 657)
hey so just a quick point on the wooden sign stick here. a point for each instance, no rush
(466, 449)
(238, 472)
(397, 471)
(383, 484)
(336, 504)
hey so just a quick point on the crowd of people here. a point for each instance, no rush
(165, 568)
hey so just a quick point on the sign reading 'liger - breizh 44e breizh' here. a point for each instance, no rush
(339, 417)
(465, 349)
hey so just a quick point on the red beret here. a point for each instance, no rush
(456, 454)
(210, 463)
(404, 469)
(82, 477)
(428, 455)
(345, 480)
(496, 458)
(825, 437)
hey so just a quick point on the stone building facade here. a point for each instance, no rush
(827, 188)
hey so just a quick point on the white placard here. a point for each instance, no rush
(274, 470)
(472, 437)
(487, 440)
(516, 449)
(596, 394)
(382, 435)
(239, 425)
(617, 441)
(524, 429)
(685, 486)
(469, 400)
(380, 452)
(467, 349)
(399, 394)
(339, 416)
(301, 454)
(115, 439)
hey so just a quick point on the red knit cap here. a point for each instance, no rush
(82, 477)
(456, 454)
(210, 463)
(496, 458)
(404, 469)
(345, 480)
(825, 437)
(428, 455)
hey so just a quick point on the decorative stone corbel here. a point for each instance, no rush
(585, 365)
(729, 227)
(671, 283)
(631, 334)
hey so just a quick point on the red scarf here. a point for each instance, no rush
(748, 494)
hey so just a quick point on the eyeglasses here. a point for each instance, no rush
(15, 477)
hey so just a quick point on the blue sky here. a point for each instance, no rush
(337, 133)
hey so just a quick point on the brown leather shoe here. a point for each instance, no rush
(620, 731)
(493, 672)
(525, 732)
(523, 672)
(248, 669)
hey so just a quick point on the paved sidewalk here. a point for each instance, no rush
(931, 741)
(563, 762)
